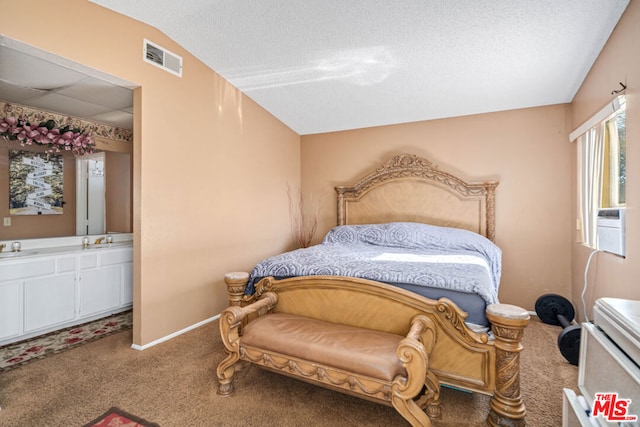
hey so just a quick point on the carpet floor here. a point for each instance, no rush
(22, 352)
(174, 384)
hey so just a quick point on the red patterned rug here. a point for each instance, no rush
(117, 417)
(20, 353)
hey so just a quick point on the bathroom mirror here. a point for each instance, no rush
(97, 189)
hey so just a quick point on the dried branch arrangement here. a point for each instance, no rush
(303, 226)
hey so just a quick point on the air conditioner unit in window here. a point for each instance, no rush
(611, 230)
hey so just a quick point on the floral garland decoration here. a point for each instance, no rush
(47, 134)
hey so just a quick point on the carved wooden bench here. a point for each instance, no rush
(377, 365)
(456, 355)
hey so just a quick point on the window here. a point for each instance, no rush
(614, 175)
(601, 167)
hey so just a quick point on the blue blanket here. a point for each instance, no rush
(396, 253)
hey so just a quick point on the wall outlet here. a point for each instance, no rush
(7, 221)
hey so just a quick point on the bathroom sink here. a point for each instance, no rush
(4, 255)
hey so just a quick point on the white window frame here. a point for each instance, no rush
(590, 138)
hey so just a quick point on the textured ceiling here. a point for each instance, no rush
(322, 66)
(332, 65)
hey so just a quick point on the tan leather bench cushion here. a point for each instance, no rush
(357, 350)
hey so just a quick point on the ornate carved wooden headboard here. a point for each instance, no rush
(411, 188)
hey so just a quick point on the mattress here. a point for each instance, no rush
(431, 261)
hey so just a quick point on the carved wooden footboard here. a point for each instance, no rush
(460, 357)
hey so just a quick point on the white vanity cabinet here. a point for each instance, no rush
(49, 300)
(10, 309)
(52, 290)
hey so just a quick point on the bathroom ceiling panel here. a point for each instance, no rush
(96, 91)
(20, 69)
(68, 88)
(18, 94)
(63, 104)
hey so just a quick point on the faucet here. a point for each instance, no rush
(2, 246)
(99, 240)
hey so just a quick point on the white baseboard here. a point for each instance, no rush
(175, 334)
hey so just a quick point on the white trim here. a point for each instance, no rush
(175, 334)
(598, 117)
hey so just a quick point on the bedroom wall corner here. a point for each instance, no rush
(526, 150)
(610, 275)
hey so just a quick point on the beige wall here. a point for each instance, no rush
(610, 275)
(210, 166)
(526, 150)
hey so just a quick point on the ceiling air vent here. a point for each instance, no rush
(161, 57)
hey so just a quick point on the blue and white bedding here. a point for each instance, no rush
(398, 253)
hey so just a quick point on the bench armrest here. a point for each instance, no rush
(231, 318)
(413, 351)
(236, 313)
(424, 330)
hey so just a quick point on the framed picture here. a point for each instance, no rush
(35, 183)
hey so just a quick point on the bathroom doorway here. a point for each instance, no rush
(90, 194)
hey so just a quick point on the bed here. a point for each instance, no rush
(412, 225)
(432, 261)
(410, 203)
